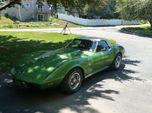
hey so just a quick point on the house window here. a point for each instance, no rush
(40, 17)
(2, 0)
(40, 7)
(26, 5)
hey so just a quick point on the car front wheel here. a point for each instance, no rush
(72, 82)
(117, 62)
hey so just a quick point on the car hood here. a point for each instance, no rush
(38, 65)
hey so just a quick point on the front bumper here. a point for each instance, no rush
(31, 85)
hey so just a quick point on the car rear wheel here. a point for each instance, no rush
(72, 82)
(117, 62)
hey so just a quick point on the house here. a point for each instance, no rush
(30, 10)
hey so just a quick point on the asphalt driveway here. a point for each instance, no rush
(127, 90)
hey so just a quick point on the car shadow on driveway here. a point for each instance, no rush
(15, 99)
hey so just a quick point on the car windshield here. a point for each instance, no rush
(81, 44)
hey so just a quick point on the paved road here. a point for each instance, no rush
(127, 90)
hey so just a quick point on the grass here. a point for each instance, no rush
(14, 45)
(5, 22)
(141, 31)
(52, 23)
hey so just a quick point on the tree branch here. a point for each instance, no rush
(10, 4)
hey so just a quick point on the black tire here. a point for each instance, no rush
(117, 62)
(72, 82)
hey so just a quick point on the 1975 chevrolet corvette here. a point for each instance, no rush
(68, 66)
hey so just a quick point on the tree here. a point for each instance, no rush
(106, 11)
(135, 9)
(55, 3)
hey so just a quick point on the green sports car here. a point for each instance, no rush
(69, 66)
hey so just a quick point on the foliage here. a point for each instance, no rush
(141, 31)
(6, 23)
(66, 3)
(105, 11)
(76, 3)
(135, 9)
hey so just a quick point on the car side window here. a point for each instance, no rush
(102, 46)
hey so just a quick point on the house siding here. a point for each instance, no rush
(28, 11)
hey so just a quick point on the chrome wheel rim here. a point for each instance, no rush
(118, 61)
(74, 80)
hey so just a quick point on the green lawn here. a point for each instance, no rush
(52, 23)
(141, 31)
(5, 23)
(14, 45)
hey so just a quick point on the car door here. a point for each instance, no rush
(102, 58)
(94, 60)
